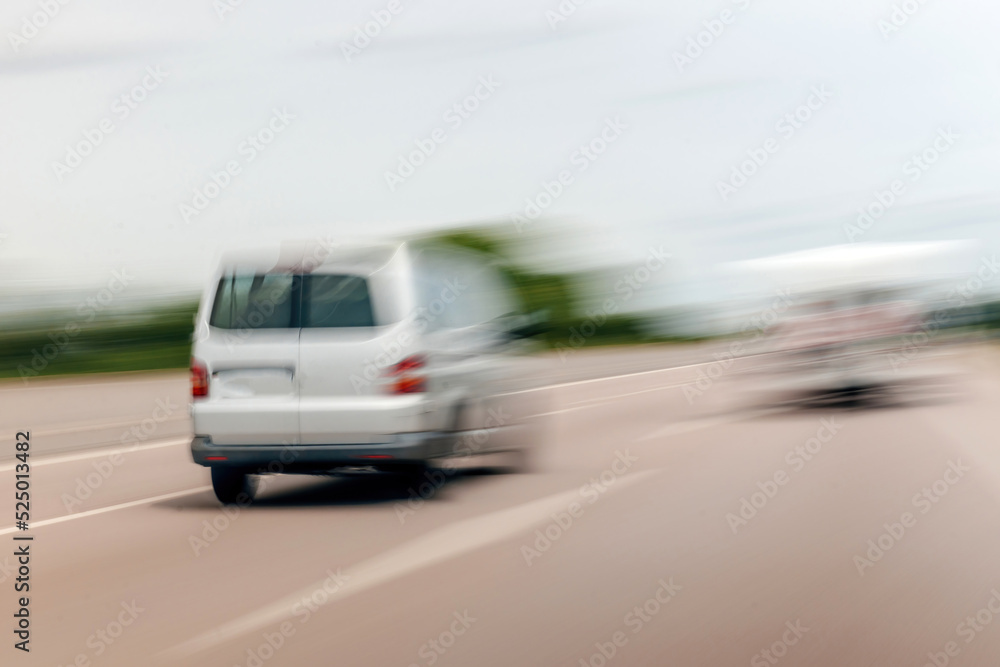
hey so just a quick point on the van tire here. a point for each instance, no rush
(233, 486)
(414, 478)
(527, 457)
(522, 461)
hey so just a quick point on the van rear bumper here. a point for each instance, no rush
(401, 449)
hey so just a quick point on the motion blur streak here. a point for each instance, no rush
(534, 333)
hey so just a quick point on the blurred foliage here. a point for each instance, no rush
(549, 294)
(556, 297)
(158, 337)
(988, 315)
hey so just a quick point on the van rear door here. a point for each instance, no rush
(345, 346)
(251, 352)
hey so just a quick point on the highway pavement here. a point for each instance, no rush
(659, 526)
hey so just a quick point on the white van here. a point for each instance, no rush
(319, 358)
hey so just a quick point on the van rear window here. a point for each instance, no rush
(262, 301)
(336, 301)
(272, 301)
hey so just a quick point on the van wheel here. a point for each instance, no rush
(415, 477)
(413, 474)
(232, 485)
(521, 461)
(527, 457)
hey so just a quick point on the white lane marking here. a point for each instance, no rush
(103, 510)
(592, 402)
(99, 379)
(99, 426)
(554, 412)
(608, 377)
(36, 461)
(435, 547)
(629, 375)
(107, 452)
(687, 427)
(708, 422)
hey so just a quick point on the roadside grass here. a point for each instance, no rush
(156, 338)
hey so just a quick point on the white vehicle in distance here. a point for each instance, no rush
(856, 314)
(321, 360)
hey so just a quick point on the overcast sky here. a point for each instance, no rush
(340, 118)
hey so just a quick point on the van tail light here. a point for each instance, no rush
(407, 377)
(199, 379)
(409, 384)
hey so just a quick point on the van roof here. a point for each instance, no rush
(305, 256)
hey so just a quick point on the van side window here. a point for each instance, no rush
(336, 301)
(458, 290)
(262, 301)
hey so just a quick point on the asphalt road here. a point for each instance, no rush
(130, 409)
(659, 528)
